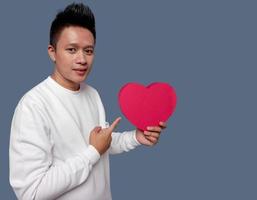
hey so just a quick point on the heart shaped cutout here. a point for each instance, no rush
(147, 106)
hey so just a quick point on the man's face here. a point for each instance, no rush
(73, 56)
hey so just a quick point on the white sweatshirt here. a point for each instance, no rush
(50, 155)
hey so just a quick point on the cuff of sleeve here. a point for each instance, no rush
(135, 138)
(92, 154)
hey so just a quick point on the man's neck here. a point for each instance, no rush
(64, 82)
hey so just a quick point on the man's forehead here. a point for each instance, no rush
(76, 36)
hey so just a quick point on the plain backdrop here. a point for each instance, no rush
(205, 49)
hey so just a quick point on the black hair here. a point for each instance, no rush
(73, 15)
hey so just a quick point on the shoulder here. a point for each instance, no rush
(33, 97)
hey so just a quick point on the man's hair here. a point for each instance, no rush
(73, 15)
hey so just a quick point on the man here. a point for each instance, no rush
(60, 142)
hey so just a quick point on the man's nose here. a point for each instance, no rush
(81, 58)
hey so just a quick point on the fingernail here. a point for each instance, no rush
(149, 128)
(146, 133)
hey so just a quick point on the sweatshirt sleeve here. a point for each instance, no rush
(125, 141)
(32, 172)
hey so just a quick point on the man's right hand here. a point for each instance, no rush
(101, 138)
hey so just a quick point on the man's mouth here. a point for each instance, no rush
(80, 71)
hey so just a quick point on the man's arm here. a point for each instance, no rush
(32, 172)
(127, 141)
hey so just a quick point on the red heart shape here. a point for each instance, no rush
(147, 106)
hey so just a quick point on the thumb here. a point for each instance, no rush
(97, 129)
(114, 124)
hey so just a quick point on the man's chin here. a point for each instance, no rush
(81, 79)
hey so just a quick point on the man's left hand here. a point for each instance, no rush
(151, 136)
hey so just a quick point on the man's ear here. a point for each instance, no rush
(51, 52)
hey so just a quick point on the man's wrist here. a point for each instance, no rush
(92, 154)
(135, 137)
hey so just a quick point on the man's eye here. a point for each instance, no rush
(89, 51)
(71, 50)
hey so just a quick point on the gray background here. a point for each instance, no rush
(205, 49)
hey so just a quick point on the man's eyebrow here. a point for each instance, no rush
(76, 45)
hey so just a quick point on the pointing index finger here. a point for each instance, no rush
(115, 123)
